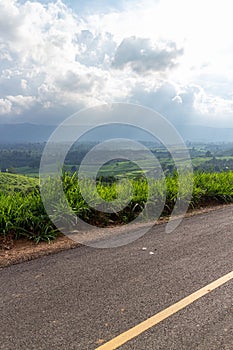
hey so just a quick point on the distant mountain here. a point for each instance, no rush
(25, 133)
(196, 133)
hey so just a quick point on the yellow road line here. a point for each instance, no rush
(162, 315)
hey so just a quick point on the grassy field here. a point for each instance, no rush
(119, 168)
(22, 213)
(16, 183)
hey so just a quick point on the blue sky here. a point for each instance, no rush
(57, 57)
(90, 6)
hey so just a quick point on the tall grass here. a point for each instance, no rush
(213, 187)
(22, 213)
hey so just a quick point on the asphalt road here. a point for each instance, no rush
(81, 298)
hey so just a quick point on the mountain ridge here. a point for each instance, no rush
(32, 133)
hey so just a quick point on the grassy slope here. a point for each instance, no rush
(16, 183)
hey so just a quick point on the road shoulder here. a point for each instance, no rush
(14, 252)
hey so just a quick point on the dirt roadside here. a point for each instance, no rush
(14, 252)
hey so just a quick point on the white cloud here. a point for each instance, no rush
(176, 57)
(24, 84)
(5, 106)
(10, 19)
(20, 103)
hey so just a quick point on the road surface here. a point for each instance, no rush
(84, 297)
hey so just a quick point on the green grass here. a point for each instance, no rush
(217, 187)
(22, 213)
(16, 183)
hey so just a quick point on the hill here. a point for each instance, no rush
(32, 133)
(16, 183)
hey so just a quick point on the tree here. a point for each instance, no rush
(208, 154)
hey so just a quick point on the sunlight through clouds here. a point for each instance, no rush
(58, 55)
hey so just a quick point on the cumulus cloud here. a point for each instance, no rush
(54, 61)
(142, 56)
(57, 63)
(10, 19)
(5, 106)
(16, 104)
(74, 82)
(94, 50)
(179, 104)
(22, 102)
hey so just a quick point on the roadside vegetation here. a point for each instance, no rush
(22, 213)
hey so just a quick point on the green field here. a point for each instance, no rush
(25, 159)
(22, 213)
(16, 183)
